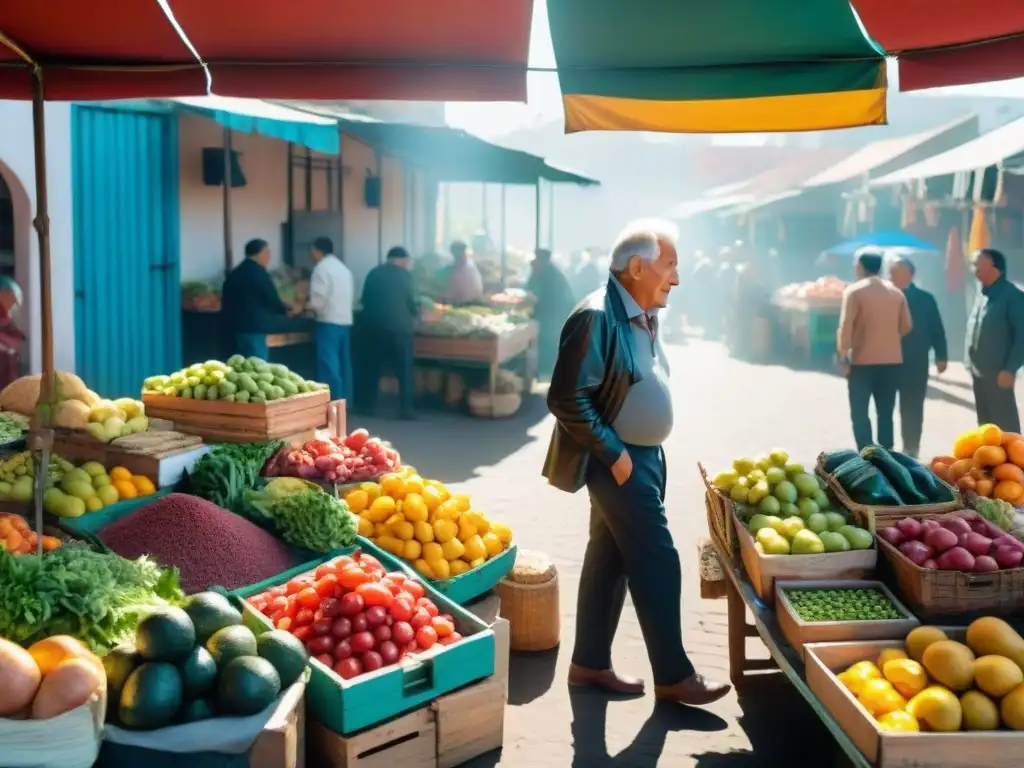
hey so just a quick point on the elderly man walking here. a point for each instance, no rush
(610, 396)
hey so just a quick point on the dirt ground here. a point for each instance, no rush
(723, 408)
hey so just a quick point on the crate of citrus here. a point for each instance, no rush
(86, 498)
(439, 533)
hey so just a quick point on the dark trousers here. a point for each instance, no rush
(334, 359)
(996, 405)
(630, 543)
(913, 391)
(390, 351)
(878, 382)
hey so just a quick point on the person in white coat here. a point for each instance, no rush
(330, 297)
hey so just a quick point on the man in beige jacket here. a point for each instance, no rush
(873, 320)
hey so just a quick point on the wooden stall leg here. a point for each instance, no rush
(737, 628)
(493, 387)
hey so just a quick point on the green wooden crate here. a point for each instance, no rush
(480, 580)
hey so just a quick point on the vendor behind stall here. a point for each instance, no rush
(250, 303)
(11, 336)
(330, 298)
(466, 285)
(554, 302)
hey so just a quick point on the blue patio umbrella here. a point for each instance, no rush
(889, 239)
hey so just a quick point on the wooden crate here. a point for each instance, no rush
(282, 743)
(763, 570)
(994, 749)
(492, 349)
(800, 632)
(409, 741)
(470, 722)
(226, 422)
(79, 447)
(720, 511)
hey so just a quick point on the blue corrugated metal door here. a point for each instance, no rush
(127, 297)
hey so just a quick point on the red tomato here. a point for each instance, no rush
(322, 626)
(414, 588)
(392, 587)
(359, 623)
(342, 650)
(257, 602)
(420, 619)
(352, 576)
(382, 633)
(402, 633)
(308, 598)
(442, 626)
(275, 617)
(327, 586)
(277, 592)
(350, 604)
(340, 562)
(371, 661)
(342, 627)
(303, 633)
(348, 668)
(293, 607)
(284, 623)
(376, 616)
(278, 604)
(454, 637)
(295, 586)
(369, 561)
(389, 652)
(362, 642)
(330, 607)
(428, 605)
(402, 609)
(305, 616)
(323, 570)
(375, 594)
(320, 645)
(327, 661)
(411, 648)
(426, 637)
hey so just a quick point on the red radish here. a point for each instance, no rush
(342, 650)
(985, 564)
(956, 559)
(1008, 557)
(892, 534)
(910, 528)
(916, 551)
(941, 539)
(326, 660)
(976, 544)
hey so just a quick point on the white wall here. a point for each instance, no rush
(17, 164)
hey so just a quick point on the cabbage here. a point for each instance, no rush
(997, 512)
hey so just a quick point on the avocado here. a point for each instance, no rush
(247, 685)
(151, 697)
(209, 612)
(198, 673)
(165, 635)
(286, 652)
(197, 709)
(230, 643)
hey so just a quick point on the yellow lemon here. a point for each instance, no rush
(440, 488)
(381, 509)
(379, 529)
(879, 697)
(898, 721)
(415, 508)
(413, 551)
(423, 531)
(458, 567)
(391, 544)
(462, 501)
(447, 510)
(364, 528)
(442, 570)
(453, 549)
(475, 549)
(392, 485)
(423, 569)
(503, 532)
(93, 504)
(413, 484)
(432, 498)
(906, 675)
(445, 530)
(407, 470)
(357, 500)
(477, 563)
(398, 517)
(476, 518)
(466, 529)
(855, 677)
(889, 654)
(432, 552)
(403, 530)
(372, 491)
(492, 544)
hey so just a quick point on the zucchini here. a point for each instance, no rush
(897, 475)
(864, 483)
(925, 480)
(834, 458)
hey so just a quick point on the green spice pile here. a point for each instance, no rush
(842, 605)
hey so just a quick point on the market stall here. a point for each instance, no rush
(808, 318)
(891, 602)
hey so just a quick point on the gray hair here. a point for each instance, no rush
(904, 262)
(640, 240)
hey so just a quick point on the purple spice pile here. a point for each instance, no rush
(207, 544)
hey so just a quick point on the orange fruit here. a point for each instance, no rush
(53, 651)
(120, 473)
(126, 489)
(143, 485)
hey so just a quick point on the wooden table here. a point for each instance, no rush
(741, 597)
(489, 351)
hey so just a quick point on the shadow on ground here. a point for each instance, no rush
(530, 675)
(589, 724)
(451, 446)
(782, 729)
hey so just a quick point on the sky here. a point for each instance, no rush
(544, 102)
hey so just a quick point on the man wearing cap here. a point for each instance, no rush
(926, 336)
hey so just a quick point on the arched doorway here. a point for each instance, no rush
(16, 252)
(7, 252)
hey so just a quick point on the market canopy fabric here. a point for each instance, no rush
(725, 66)
(992, 148)
(444, 50)
(273, 120)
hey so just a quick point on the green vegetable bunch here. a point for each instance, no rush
(96, 597)
(225, 473)
(13, 426)
(996, 511)
(842, 605)
(314, 520)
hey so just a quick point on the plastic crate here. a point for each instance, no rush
(480, 580)
(347, 706)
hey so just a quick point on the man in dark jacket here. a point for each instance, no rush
(995, 342)
(554, 302)
(612, 403)
(926, 336)
(389, 313)
(250, 304)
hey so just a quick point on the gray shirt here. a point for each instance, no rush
(646, 415)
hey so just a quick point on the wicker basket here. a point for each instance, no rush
(480, 404)
(529, 601)
(932, 593)
(867, 512)
(720, 510)
(71, 740)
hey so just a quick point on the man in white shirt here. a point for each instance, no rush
(330, 297)
(466, 285)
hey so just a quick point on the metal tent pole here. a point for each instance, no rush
(536, 212)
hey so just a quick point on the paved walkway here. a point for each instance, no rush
(724, 408)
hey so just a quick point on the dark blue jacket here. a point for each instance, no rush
(995, 330)
(927, 333)
(249, 300)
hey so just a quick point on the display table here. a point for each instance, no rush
(740, 597)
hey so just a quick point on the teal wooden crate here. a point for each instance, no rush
(481, 580)
(347, 706)
(91, 523)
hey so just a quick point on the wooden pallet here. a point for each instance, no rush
(226, 422)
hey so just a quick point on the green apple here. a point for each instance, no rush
(822, 500)
(834, 542)
(786, 491)
(740, 491)
(835, 520)
(775, 475)
(793, 469)
(769, 505)
(806, 485)
(806, 543)
(779, 457)
(807, 507)
(757, 522)
(858, 537)
(788, 510)
(817, 522)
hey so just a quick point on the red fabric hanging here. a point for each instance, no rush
(954, 261)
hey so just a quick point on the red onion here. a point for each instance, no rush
(941, 539)
(916, 551)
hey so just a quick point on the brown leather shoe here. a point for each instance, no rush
(694, 691)
(606, 679)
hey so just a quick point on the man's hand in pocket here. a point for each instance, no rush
(622, 468)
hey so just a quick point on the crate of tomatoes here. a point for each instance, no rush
(381, 641)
